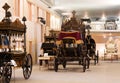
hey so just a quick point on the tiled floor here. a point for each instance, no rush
(104, 72)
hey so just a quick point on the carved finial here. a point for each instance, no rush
(6, 7)
(24, 19)
(7, 13)
(73, 13)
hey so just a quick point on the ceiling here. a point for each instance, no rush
(86, 8)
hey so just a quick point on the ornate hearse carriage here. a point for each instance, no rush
(110, 49)
(71, 48)
(13, 47)
(70, 45)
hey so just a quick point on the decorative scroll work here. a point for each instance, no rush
(72, 24)
(111, 46)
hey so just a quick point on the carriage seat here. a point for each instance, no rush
(69, 42)
(70, 47)
(49, 48)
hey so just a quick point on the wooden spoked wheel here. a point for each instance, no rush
(6, 73)
(27, 66)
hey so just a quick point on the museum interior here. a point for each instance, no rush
(59, 41)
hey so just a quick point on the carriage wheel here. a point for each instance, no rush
(64, 64)
(87, 62)
(6, 73)
(56, 65)
(97, 58)
(88, 59)
(84, 64)
(27, 66)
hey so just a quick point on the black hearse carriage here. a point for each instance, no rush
(71, 48)
(13, 47)
(69, 45)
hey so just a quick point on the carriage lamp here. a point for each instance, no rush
(42, 20)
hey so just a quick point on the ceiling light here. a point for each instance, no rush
(86, 15)
(104, 36)
(66, 14)
(119, 16)
(57, 7)
(103, 17)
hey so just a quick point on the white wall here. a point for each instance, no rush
(100, 47)
(38, 35)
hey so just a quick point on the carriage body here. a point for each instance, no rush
(70, 44)
(68, 47)
(13, 47)
(71, 48)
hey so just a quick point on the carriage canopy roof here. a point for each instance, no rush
(7, 26)
(74, 34)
